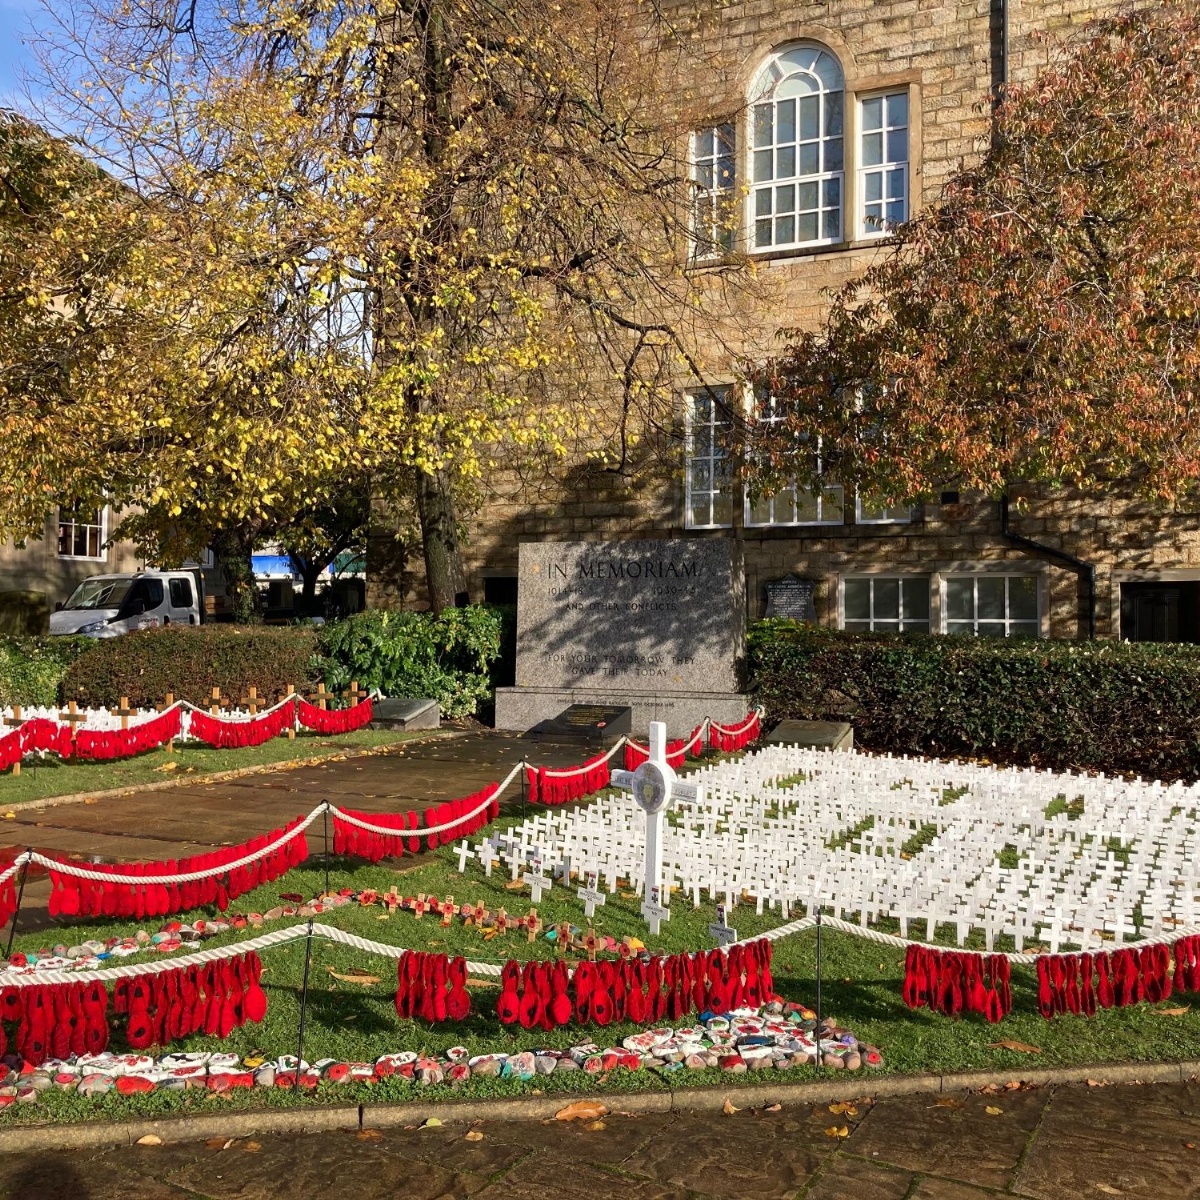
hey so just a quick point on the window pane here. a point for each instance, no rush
(810, 158)
(832, 226)
(808, 507)
(833, 115)
(991, 629)
(1022, 597)
(895, 184)
(785, 231)
(725, 139)
(762, 233)
(833, 154)
(895, 213)
(807, 228)
(701, 475)
(785, 162)
(703, 175)
(872, 113)
(897, 145)
(873, 217)
(810, 118)
(873, 186)
(857, 626)
(725, 172)
(806, 196)
(785, 198)
(857, 599)
(872, 151)
(1023, 629)
(915, 594)
(722, 509)
(760, 511)
(762, 202)
(960, 627)
(700, 511)
(785, 121)
(833, 192)
(762, 165)
(887, 599)
(960, 599)
(897, 109)
(832, 504)
(886, 626)
(762, 124)
(990, 597)
(703, 143)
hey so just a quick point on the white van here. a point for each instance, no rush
(106, 606)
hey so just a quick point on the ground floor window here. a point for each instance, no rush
(81, 533)
(886, 604)
(989, 605)
(709, 478)
(1160, 611)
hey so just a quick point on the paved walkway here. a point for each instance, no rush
(192, 818)
(1044, 1144)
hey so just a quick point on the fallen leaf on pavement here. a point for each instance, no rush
(946, 1102)
(993, 1111)
(431, 1123)
(1189, 1145)
(369, 1135)
(1172, 1012)
(1013, 1085)
(149, 1139)
(1109, 1190)
(843, 1107)
(355, 976)
(837, 1131)
(728, 1109)
(219, 1143)
(1096, 1083)
(773, 1108)
(596, 1126)
(1019, 1047)
(473, 1135)
(582, 1110)
(252, 1147)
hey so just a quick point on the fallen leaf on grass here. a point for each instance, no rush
(368, 1135)
(12, 816)
(1019, 1047)
(993, 1111)
(838, 1131)
(431, 1123)
(843, 1107)
(168, 766)
(514, 885)
(1171, 1012)
(582, 1110)
(149, 1139)
(728, 1108)
(473, 1135)
(356, 975)
(946, 1102)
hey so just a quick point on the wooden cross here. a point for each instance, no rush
(533, 925)
(291, 691)
(502, 921)
(15, 722)
(447, 909)
(562, 940)
(321, 696)
(217, 702)
(355, 695)
(123, 711)
(168, 701)
(251, 702)
(479, 913)
(591, 943)
(391, 899)
(72, 716)
(419, 906)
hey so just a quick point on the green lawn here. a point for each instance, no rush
(44, 779)
(861, 987)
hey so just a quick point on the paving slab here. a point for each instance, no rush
(847, 1178)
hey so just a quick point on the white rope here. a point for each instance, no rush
(571, 772)
(756, 715)
(69, 868)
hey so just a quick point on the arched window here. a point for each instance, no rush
(796, 156)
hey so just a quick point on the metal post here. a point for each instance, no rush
(325, 814)
(524, 784)
(820, 1059)
(303, 1001)
(12, 931)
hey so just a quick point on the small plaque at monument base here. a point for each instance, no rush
(596, 724)
(401, 712)
(813, 735)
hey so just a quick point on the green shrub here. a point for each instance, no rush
(190, 661)
(31, 669)
(1120, 708)
(447, 658)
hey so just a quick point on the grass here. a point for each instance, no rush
(860, 986)
(55, 777)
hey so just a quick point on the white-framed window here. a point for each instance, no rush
(714, 214)
(883, 162)
(81, 534)
(885, 603)
(867, 512)
(709, 480)
(991, 605)
(792, 504)
(796, 151)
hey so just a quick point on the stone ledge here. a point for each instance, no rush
(522, 708)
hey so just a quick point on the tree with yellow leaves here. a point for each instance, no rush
(420, 239)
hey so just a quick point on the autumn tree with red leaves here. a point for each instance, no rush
(1041, 321)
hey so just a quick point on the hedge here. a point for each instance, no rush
(1120, 708)
(32, 668)
(189, 661)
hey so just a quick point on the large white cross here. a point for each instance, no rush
(654, 785)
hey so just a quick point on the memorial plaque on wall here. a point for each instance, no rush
(647, 616)
(791, 597)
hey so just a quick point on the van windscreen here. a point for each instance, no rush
(100, 593)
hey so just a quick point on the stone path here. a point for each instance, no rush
(192, 818)
(1044, 1144)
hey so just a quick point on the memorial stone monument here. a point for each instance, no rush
(659, 626)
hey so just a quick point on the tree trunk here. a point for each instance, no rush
(308, 595)
(232, 548)
(444, 572)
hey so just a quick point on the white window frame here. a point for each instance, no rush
(1037, 622)
(713, 197)
(780, 68)
(713, 457)
(884, 168)
(859, 519)
(925, 626)
(101, 527)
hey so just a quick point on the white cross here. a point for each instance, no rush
(538, 882)
(489, 858)
(590, 895)
(654, 912)
(464, 852)
(720, 931)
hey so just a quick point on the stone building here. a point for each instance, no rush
(854, 112)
